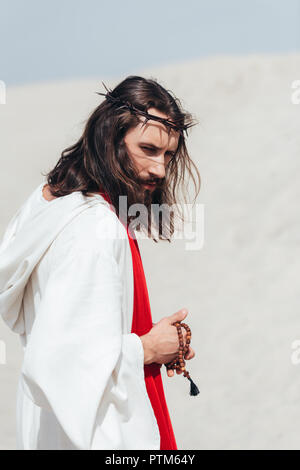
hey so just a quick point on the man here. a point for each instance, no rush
(73, 287)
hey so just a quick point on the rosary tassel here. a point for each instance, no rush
(194, 389)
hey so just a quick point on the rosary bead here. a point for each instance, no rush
(178, 363)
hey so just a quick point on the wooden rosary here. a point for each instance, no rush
(179, 363)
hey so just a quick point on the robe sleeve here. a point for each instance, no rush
(76, 344)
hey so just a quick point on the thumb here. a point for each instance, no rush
(178, 316)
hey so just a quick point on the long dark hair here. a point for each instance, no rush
(98, 161)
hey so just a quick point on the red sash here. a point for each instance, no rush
(141, 324)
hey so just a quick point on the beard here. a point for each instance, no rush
(148, 220)
(143, 220)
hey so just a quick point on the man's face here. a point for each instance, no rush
(151, 147)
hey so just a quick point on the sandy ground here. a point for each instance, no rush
(242, 287)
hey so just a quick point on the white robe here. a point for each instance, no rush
(66, 287)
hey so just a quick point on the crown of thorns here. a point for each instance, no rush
(121, 104)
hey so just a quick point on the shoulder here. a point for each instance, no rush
(95, 231)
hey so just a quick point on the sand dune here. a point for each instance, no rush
(242, 288)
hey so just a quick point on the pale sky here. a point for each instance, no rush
(63, 39)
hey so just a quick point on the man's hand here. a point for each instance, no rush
(188, 355)
(161, 343)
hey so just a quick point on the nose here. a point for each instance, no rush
(157, 169)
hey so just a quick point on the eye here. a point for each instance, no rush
(171, 154)
(147, 148)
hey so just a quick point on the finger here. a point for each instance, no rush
(188, 351)
(178, 316)
(189, 354)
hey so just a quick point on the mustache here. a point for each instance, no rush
(157, 182)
